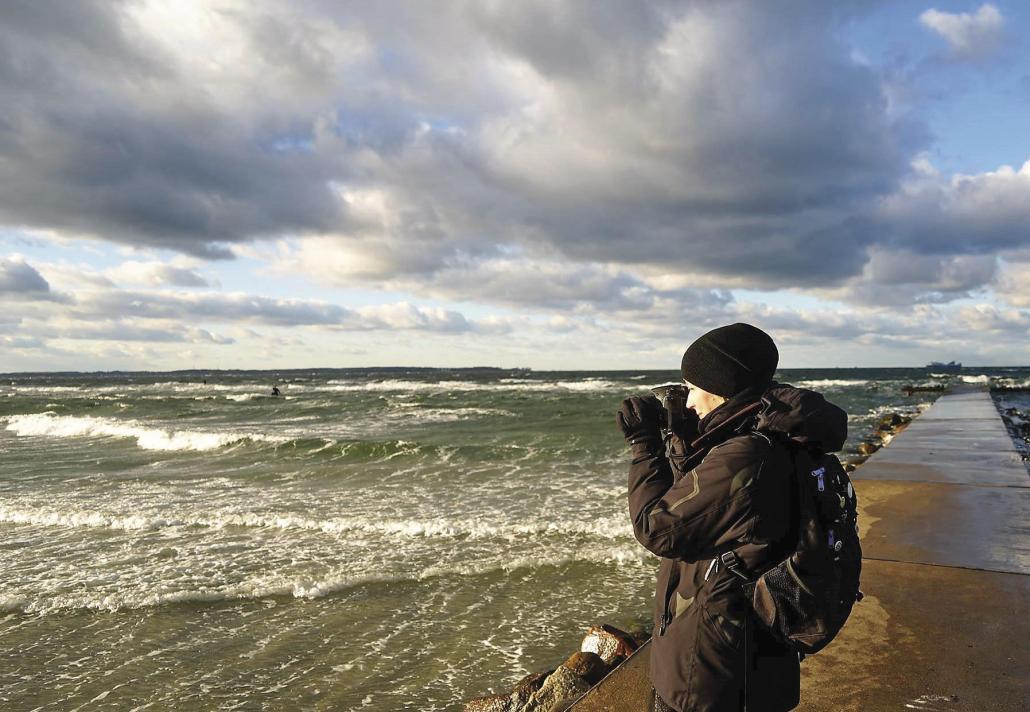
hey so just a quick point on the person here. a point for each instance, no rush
(722, 486)
(276, 392)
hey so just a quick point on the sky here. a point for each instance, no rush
(545, 184)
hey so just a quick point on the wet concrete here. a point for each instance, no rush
(945, 524)
(945, 518)
(960, 439)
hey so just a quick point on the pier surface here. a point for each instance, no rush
(945, 624)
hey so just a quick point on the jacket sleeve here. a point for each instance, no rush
(707, 510)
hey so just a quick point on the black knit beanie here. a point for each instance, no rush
(730, 359)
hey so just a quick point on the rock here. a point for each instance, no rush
(868, 447)
(559, 689)
(532, 682)
(888, 421)
(526, 688)
(491, 703)
(589, 666)
(515, 701)
(612, 644)
(854, 461)
(602, 648)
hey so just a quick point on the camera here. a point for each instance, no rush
(677, 417)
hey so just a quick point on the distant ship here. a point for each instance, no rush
(949, 366)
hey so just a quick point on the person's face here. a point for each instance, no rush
(701, 401)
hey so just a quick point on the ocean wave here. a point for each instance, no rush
(246, 397)
(309, 587)
(131, 600)
(982, 378)
(604, 528)
(47, 389)
(1010, 382)
(832, 383)
(147, 437)
(419, 413)
(395, 385)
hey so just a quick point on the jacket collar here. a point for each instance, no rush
(730, 417)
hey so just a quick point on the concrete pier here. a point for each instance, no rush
(945, 625)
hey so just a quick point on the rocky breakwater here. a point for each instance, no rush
(1018, 424)
(886, 429)
(601, 651)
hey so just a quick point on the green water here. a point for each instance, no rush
(369, 540)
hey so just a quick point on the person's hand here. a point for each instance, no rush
(640, 419)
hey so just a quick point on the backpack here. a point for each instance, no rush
(805, 599)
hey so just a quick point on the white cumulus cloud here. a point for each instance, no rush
(969, 35)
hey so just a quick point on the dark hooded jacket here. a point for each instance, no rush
(730, 489)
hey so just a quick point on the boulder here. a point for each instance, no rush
(854, 461)
(490, 703)
(589, 666)
(612, 644)
(890, 420)
(515, 701)
(527, 687)
(561, 687)
(868, 447)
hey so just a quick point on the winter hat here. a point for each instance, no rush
(730, 359)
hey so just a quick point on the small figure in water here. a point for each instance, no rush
(275, 391)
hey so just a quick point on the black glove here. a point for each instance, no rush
(640, 419)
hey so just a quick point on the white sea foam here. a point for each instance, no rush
(614, 528)
(982, 378)
(245, 397)
(90, 519)
(18, 388)
(832, 383)
(1012, 382)
(305, 587)
(414, 412)
(401, 385)
(147, 437)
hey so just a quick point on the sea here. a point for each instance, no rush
(369, 539)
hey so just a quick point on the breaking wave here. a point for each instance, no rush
(832, 383)
(976, 379)
(301, 587)
(147, 437)
(508, 384)
(605, 527)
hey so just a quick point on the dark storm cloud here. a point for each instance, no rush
(739, 140)
(100, 135)
(19, 279)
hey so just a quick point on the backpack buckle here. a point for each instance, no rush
(734, 565)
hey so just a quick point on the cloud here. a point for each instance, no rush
(966, 214)
(898, 277)
(660, 133)
(157, 274)
(126, 330)
(969, 36)
(588, 168)
(20, 280)
(108, 131)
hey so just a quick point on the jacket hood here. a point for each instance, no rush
(803, 416)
